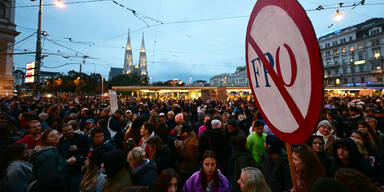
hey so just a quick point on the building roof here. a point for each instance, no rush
(365, 24)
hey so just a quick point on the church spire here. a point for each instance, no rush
(142, 44)
(128, 46)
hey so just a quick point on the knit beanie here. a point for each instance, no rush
(179, 118)
(274, 144)
(328, 185)
(325, 123)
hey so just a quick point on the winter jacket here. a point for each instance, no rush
(118, 182)
(188, 155)
(276, 173)
(193, 184)
(241, 159)
(216, 141)
(145, 174)
(83, 145)
(256, 146)
(161, 158)
(48, 160)
(17, 177)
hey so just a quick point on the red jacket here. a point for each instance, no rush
(29, 141)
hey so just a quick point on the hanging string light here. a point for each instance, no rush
(338, 16)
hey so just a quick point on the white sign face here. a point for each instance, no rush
(265, 88)
(113, 101)
(284, 68)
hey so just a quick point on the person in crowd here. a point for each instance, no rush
(187, 152)
(146, 131)
(372, 144)
(347, 155)
(47, 160)
(118, 177)
(256, 142)
(252, 180)
(199, 122)
(377, 135)
(317, 144)
(99, 141)
(93, 179)
(103, 124)
(216, 141)
(355, 181)
(331, 116)
(43, 121)
(354, 117)
(89, 126)
(115, 128)
(162, 130)
(17, 171)
(159, 153)
(171, 120)
(5, 135)
(242, 158)
(206, 125)
(34, 136)
(325, 129)
(276, 166)
(328, 185)
(208, 178)
(307, 166)
(232, 130)
(143, 170)
(77, 145)
(168, 181)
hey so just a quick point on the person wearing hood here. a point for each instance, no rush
(118, 176)
(18, 172)
(146, 131)
(143, 170)
(47, 160)
(325, 129)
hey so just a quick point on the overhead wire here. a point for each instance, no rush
(25, 38)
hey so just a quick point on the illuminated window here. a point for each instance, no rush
(376, 53)
(337, 81)
(336, 51)
(351, 48)
(359, 46)
(344, 50)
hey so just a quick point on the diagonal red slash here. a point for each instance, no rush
(283, 91)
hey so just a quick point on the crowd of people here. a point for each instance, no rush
(76, 143)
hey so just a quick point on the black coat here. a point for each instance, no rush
(276, 173)
(146, 176)
(242, 158)
(217, 141)
(83, 145)
(162, 158)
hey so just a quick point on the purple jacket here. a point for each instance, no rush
(193, 184)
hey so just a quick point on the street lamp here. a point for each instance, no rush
(338, 16)
(38, 45)
(102, 85)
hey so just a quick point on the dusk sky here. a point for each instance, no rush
(198, 38)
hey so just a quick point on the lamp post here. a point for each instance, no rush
(102, 85)
(59, 3)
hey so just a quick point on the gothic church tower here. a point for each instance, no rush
(143, 59)
(128, 59)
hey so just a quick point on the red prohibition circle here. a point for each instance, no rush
(299, 17)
